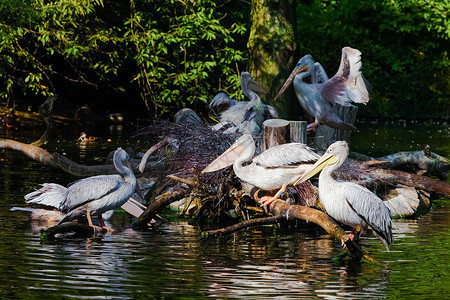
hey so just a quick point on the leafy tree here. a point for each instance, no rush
(183, 52)
(176, 53)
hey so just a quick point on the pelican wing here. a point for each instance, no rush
(348, 84)
(221, 102)
(318, 75)
(89, 189)
(270, 112)
(50, 194)
(371, 209)
(286, 155)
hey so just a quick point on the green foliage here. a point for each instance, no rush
(184, 53)
(175, 53)
(181, 53)
(404, 44)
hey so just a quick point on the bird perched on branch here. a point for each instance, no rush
(347, 202)
(90, 196)
(318, 97)
(244, 116)
(275, 168)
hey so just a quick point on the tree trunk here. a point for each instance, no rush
(272, 48)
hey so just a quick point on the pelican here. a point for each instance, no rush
(90, 196)
(347, 202)
(247, 116)
(275, 168)
(318, 97)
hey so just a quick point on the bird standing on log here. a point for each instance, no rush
(318, 97)
(90, 196)
(245, 116)
(347, 202)
(275, 168)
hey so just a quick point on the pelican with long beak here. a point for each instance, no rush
(347, 202)
(275, 168)
(318, 97)
(244, 116)
(94, 195)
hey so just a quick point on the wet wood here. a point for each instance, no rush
(424, 160)
(298, 131)
(159, 203)
(66, 230)
(326, 135)
(275, 132)
(421, 182)
(59, 161)
(242, 225)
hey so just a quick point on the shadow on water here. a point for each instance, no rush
(172, 261)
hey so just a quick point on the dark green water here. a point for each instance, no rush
(171, 261)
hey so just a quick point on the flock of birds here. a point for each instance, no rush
(274, 169)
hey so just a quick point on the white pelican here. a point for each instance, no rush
(247, 116)
(318, 97)
(90, 196)
(347, 202)
(275, 168)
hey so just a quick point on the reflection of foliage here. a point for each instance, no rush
(404, 45)
(177, 52)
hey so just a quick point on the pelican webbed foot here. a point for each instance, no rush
(267, 200)
(312, 127)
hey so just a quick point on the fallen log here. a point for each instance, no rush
(59, 161)
(421, 182)
(160, 202)
(425, 160)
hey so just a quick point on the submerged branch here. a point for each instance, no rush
(242, 225)
(160, 202)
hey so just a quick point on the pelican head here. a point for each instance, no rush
(247, 83)
(305, 65)
(239, 147)
(335, 155)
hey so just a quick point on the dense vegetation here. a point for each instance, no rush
(164, 55)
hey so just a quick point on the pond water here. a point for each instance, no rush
(172, 261)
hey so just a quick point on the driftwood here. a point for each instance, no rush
(421, 182)
(59, 161)
(424, 160)
(159, 203)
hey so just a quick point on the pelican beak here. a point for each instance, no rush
(326, 160)
(256, 87)
(225, 159)
(290, 79)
